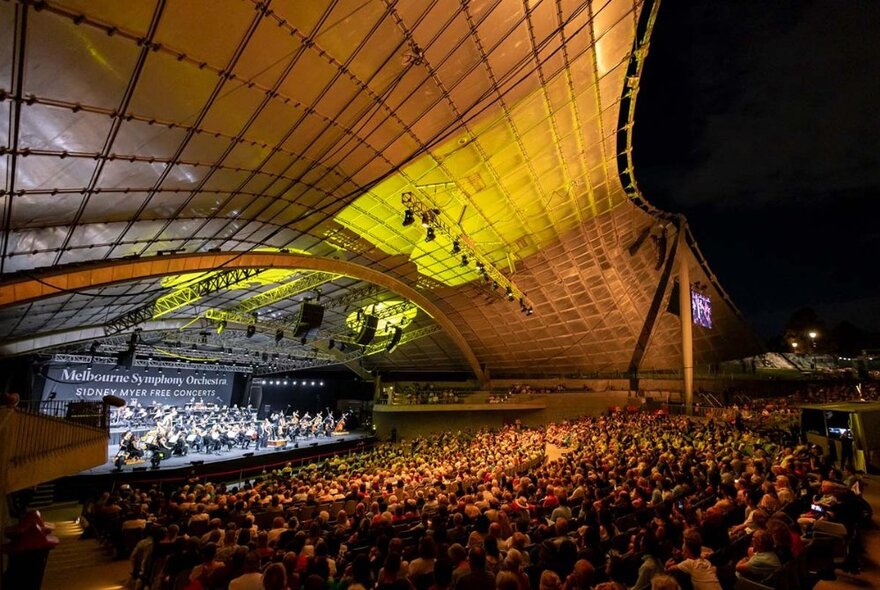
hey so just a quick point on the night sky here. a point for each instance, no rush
(760, 121)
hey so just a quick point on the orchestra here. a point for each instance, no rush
(210, 429)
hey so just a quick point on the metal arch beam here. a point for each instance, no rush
(18, 291)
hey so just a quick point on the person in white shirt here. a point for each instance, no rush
(252, 578)
(701, 572)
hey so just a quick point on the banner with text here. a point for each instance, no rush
(171, 386)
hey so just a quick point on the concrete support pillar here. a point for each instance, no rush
(687, 335)
(377, 388)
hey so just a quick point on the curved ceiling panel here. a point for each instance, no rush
(138, 129)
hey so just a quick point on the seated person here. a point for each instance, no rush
(701, 573)
(761, 562)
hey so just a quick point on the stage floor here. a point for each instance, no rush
(318, 445)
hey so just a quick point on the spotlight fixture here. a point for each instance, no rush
(494, 285)
(456, 247)
(464, 260)
(221, 326)
(529, 310)
(510, 296)
(426, 220)
(279, 334)
(429, 237)
(408, 217)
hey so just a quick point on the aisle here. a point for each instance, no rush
(79, 564)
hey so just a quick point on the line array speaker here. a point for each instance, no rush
(311, 316)
(368, 330)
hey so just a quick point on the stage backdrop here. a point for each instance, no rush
(171, 386)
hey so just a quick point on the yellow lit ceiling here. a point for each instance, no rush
(139, 129)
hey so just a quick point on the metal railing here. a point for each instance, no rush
(41, 427)
(84, 413)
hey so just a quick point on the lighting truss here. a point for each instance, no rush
(108, 360)
(180, 298)
(281, 366)
(466, 244)
(352, 296)
(234, 345)
(306, 282)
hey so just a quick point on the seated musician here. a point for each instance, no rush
(129, 445)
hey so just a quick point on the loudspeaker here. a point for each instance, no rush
(311, 315)
(197, 463)
(255, 399)
(368, 330)
(125, 358)
(395, 339)
(251, 454)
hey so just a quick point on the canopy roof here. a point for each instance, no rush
(134, 130)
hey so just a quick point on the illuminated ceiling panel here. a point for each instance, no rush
(156, 128)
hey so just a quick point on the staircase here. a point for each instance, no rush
(76, 563)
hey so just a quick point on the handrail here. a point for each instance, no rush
(84, 413)
(32, 435)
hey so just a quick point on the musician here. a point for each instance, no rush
(214, 439)
(265, 433)
(177, 440)
(129, 445)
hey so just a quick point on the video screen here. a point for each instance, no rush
(701, 309)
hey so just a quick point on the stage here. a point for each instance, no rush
(235, 465)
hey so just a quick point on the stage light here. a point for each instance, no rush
(279, 334)
(321, 384)
(408, 217)
(510, 296)
(464, 260)
(494, 285)
(294, 382)
(313, 382)
(426, 220)
(285, 382)
(221, 326)
(429, 237)
(529, 310)
(456, 247)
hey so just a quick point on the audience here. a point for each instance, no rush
(635, 501)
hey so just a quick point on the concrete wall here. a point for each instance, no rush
(559, 406)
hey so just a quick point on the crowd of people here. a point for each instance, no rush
(526, 388)
(637, 501)
(426, 394)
